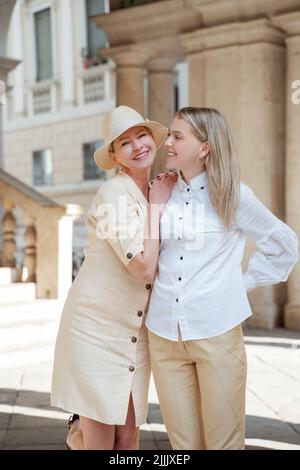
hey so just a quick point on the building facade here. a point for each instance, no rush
(57, 96)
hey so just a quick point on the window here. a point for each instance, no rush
(96, 37)
(90, 170)
(42, 167)
(176, 94)
(42, 25)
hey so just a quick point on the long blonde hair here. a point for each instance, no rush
(210, 125)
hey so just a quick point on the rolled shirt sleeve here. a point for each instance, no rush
(277, 244)
(119, 220)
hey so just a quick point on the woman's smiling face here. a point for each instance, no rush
(183, 147)
(134, 149)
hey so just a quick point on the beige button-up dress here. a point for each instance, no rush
(101, 352)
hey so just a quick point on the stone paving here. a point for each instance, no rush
(273, 399)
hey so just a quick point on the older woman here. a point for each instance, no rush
(101, 366)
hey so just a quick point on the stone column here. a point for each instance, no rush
(16, 107)
(196, 66)
(67, 51)
(54, 253)
(161, 97)
(9, 228)
(291, 24)
(239, 68)
(6, 8)
(30, 252)
(6, 65)
(130, 62)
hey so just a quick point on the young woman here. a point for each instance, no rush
(101, 366)
(199, 298)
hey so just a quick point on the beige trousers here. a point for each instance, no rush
(201, 388)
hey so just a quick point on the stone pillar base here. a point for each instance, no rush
(292, 317)
(267, 307)
(267, 318)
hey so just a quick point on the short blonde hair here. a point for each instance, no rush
(209, 125)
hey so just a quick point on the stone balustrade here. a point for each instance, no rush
(47, 257)
(95, 84)
(42, 97)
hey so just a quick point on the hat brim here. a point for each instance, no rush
(104, 160)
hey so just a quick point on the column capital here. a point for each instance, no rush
(233, 34)
(162, 64)
(136, 24)
(128, 55)
(290, 23)
(6, 66)
(292, 317)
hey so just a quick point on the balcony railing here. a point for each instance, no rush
(95, 84)
(42, 97)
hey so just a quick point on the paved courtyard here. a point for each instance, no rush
(273, 395)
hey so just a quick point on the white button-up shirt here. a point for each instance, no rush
(200, 286)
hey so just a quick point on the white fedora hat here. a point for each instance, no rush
(118, 121)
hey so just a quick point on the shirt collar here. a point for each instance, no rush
(196, 183)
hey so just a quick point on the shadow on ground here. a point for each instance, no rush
(34, 428)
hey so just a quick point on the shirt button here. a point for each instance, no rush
(178, 238)
(177, 300)
(179, 279)
(140, 313)
(133, 339)
(181, 257)
(131, 368)
(186, 203)
(180, 218)
(202, 187)
(188, 189)
(148, 286)
(129, 255)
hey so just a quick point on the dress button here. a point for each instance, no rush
(186, 203)
(148, 286)
(178, 238)
(131, 368)
(181, 257)
(180, 218)
(129, 255)
(179, 279)
(133, 339)
(188, 189)
(140, 313)
(177, 300)
(202, 187)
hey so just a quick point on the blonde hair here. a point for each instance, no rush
(210, 125)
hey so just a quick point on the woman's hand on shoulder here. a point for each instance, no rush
(161, 187)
